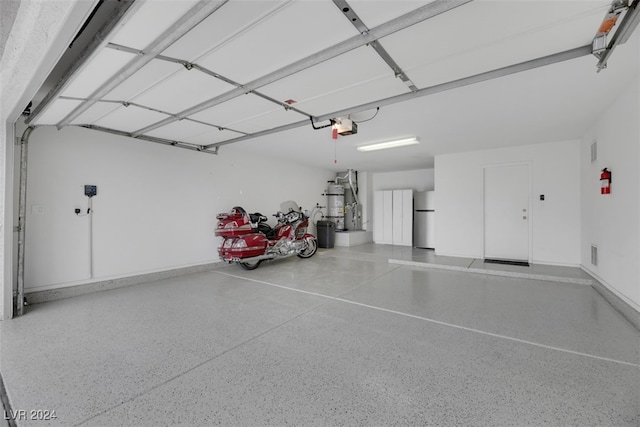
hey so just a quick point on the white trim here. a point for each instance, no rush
(512, 274)
(6, 226)
(54, 286)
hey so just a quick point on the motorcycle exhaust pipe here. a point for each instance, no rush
(255, 258)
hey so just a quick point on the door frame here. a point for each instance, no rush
(529, 165)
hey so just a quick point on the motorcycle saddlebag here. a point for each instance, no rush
(245, 246)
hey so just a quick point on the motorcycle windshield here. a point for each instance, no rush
(289, 206)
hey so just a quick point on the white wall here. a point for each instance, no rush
(155, 208)
(612, 222)
(417, 180)
(555, 222)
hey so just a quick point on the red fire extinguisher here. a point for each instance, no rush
(605, 181)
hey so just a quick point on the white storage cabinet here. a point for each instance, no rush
(393, 217)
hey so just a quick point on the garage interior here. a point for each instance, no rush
(175, 111)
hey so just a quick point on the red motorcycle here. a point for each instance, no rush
(249, 240)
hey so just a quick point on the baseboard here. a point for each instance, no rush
(37, 297)
(626, 308)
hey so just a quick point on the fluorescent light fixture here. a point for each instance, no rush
(388, 144)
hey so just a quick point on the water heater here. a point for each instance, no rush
(335, 204)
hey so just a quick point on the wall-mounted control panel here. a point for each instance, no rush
(90, 190)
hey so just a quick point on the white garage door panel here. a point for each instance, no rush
(130, 118)
(183, 90)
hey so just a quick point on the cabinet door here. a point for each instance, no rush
(398, 205)
(407, 218)
(402, 217)
(378, 216)
(387, 217)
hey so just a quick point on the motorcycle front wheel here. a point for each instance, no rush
(310, 249)
(249, 265)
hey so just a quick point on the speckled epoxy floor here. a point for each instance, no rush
(344, 338)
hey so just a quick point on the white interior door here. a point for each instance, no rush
(506, 212)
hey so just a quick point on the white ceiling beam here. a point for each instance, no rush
(477, 78)
(421, 14)
(172, 143)
(200, 11)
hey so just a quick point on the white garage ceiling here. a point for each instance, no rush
(252, 76)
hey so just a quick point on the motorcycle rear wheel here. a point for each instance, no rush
(310, 250)
(250, 265)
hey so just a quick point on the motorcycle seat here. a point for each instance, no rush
(257, 217)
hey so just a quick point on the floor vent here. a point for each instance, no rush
(507, 261)
(594, 255)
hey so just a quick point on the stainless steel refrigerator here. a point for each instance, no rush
(424, 219)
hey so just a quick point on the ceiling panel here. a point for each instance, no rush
(362, 93)
(350, 79)
(496, 33)
(236, 109)
(268, 120)
(149, 75)
(189, 131)
(220, 28)
(93, 113)
(296, 31)
(96, 71)
(488, 58)
(374, 13)
(212, 136)
(56, 111)
(130, 118)
(183, 90)
(150, 20)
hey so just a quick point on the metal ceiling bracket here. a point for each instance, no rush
(200, 11)
(421, 14)
(477, 78)
(625, 30)
(386, 57)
